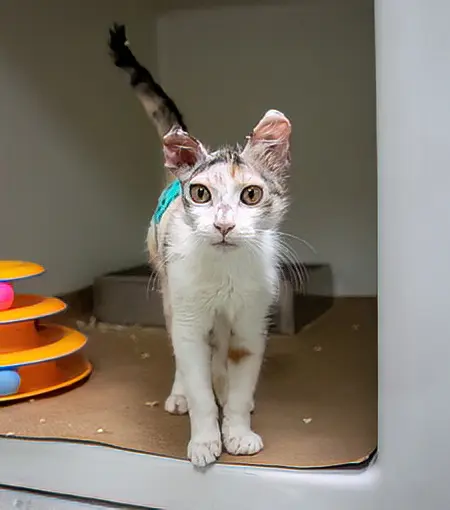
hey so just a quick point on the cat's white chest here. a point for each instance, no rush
(228, 286)
(224, 283)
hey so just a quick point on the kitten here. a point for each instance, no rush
(214, 241)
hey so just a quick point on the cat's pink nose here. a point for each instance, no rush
(224, 228)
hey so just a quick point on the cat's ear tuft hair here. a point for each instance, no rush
(181, 151)
(269, 142)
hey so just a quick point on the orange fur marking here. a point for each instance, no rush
(236, 355)
(234, 170)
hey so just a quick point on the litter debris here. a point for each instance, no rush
(31, 400)
(42, 420)
(145, 355)
(92, 322)
(307, 420)
(80, 324)
(100, 431)
(106, 326)
(9, 434)
(102, 327)
(317, 348)
(117, 327)
(152, 404)
(355, 327)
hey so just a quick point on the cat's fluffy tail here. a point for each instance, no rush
(158, 105)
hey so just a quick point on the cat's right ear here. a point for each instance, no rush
(181, 151)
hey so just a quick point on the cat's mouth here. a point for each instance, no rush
(225, 244)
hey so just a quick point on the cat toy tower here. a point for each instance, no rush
(35, 359)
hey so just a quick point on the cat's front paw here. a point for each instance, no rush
(238, 441)
(176, 404)
(203, 451)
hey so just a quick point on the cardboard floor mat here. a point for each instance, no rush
(316, 404)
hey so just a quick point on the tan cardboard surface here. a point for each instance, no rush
(316, 404)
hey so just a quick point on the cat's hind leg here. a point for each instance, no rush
(176, 402)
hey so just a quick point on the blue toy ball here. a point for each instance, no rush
(9, 382)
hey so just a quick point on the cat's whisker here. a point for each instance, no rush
(156, 268)
(152, 277)
(303, 241)
(296, 270)
(292, 236)
(290, 270)
(299, 268)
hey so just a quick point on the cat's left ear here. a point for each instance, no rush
(269, 142)
(181, 151)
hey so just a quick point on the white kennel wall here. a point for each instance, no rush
(413, 44)
(315, 61)
(78, 157)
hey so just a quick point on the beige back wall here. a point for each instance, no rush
(78, 182)
(314, 61)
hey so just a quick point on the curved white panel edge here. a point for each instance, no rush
(132, 478)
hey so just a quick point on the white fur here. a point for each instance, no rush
(218, 269)
(219, 292)
(212, 291)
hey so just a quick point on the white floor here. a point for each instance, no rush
(12, 500)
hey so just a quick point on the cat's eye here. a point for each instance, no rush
(200, 194)
(251, 195)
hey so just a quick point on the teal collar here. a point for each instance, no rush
(169, 194)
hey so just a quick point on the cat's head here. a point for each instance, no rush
(232, 195)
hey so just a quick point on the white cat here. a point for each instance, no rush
(213, 240)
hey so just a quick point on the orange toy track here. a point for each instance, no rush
(36, 359)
